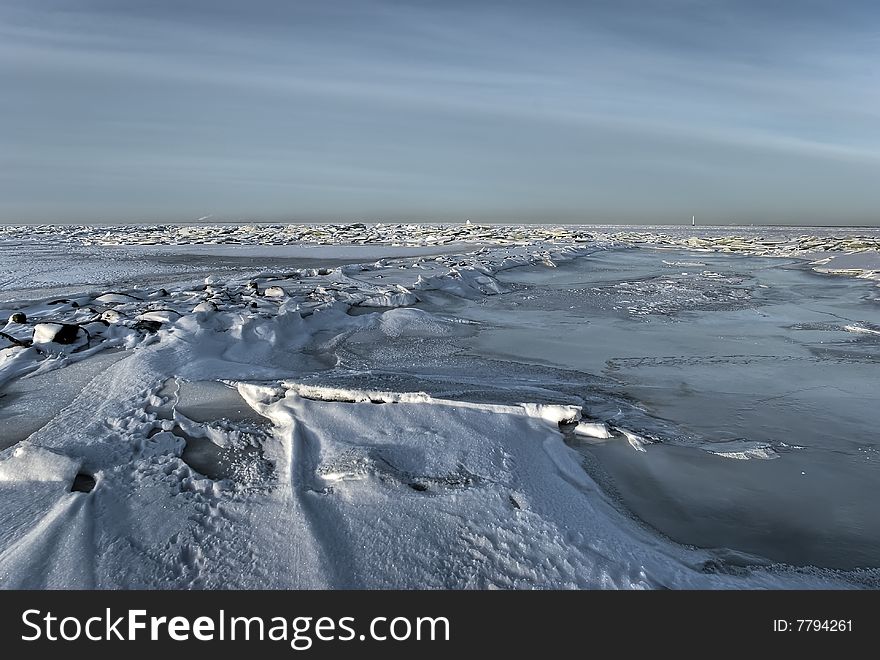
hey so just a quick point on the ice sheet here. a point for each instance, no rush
(412, 420)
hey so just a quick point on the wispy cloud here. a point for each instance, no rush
(436, 108)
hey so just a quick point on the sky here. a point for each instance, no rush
(612, 111)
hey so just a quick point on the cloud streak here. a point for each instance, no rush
(520, 111)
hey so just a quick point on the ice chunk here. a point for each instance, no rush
(593, 430)
(32, 463)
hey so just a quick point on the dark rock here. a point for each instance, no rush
(58, 333)
(148, 326)
(18, 317)
(67, 334)
(83, 483)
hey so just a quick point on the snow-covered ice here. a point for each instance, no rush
(438, 406)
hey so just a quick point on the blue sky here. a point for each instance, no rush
(623, 111)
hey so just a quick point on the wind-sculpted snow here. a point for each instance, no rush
(360, 489)
(755, 240)
(337, 426)
(294, 234)
(48, 334)
(832, 246)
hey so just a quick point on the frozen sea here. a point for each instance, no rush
(569, 407)
(717, 353)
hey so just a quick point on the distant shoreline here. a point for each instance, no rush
(502, 223)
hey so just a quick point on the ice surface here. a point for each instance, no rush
(439, 406)
(783, 377)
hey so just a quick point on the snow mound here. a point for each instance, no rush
(31, 463)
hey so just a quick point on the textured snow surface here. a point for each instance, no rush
(358, 424)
